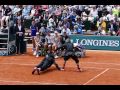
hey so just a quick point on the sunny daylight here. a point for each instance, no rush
(59, 44)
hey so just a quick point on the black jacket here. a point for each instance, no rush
(68, 46)
(17, 30)
(47, 62)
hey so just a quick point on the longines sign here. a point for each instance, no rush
(98, 42)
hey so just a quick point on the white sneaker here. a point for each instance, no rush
(37, 55)
(34, 53)
(56, 56)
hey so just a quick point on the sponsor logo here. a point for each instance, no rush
(91, 42)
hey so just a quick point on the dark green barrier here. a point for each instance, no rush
(98, 42)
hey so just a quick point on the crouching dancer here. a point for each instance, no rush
(69, 53)
(47, 62)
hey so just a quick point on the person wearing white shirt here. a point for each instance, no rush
(110, 17)
(67, 30)
(33, 10)
(94, 12)
(49, 40)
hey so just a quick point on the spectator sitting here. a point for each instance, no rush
(59, 27)
(66, 23)
(33, 10)
(56, 43)
(65, 29)
(79, 22)
(72, 16)
(115, 11)
(51, 24)
(26, 13)
(38, 43)
(49, 40)
(16, 9)
(94, 12)
(110, 17)
(6, 16)
(77, 30)
(103, 24)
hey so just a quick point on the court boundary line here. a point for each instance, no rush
(101, 63)
(22, 82)
(98, 75)
(107, 63)
(69, 66)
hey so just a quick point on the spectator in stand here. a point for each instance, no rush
(64, 14)
(65, 29)
(37, 43)
(6, 15)
(66, 23)
(49, 40)
(103, 25)
(115, 11)
(110, 16)
(59, 27)
(56, 43)
(26, 13)
(32, 12)
(43, 32)
(94, 12)
(51, 24)
(38, 24)
(77, 30)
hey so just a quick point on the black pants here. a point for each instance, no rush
(20, 45)
(45, 64)
(71, 55)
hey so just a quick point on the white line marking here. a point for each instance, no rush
(35, 64)
(22, 82)
(96, 76)
(101, 63)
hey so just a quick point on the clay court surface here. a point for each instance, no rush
(100, 67)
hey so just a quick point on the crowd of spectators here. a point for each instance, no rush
(63, 20)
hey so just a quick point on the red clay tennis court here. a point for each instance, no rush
(100, 68)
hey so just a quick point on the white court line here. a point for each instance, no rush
(96, 76)
(95, 63)
(35, 64)
(22, 82)
(101, 63)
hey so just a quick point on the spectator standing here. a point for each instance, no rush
(34, 30)
(20, 31)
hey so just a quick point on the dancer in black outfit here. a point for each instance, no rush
(47, 62)
(69, 53)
